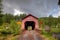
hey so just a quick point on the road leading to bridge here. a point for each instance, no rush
(30, 35)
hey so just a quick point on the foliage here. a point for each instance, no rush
(20, 17)
(48, 35)
(53, 23)
(7, 18)
(55, 30)
(14, 27)
(1, 6)
(1, 12)
(11, 28)
(50, 21)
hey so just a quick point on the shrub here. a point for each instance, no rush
(11, 28)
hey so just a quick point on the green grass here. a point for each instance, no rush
(48, 35)
(55, 30)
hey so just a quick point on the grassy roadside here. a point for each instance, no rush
(47, 35)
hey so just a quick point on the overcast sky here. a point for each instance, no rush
(39, 8)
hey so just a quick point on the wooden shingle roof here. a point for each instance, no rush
(29, 15)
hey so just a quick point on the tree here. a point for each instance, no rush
(17, 17)
(58, 2)
(20, 17)
(1, 12)
(7, 18)
(50, 16)
(50, 19)
(1, 6)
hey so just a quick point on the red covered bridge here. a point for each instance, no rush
(30, 20)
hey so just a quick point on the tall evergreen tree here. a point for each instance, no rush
(1, 7)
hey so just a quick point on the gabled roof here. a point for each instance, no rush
(29, 15)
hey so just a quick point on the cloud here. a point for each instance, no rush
(17, 12)
(39, 8)
(57, 14)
